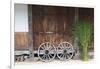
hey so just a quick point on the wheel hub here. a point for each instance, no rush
(65, 51)
(46, 52)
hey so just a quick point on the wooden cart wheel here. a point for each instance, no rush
(46, 52)
(65, 51)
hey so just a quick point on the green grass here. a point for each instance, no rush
(83, 31)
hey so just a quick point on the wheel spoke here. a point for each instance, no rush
(43, 57)
(70, 51)
(51, 48)
(47, 47)
(60, 51)
(51, 52)
(65, 56)
(42, 47)
(41, 51)
(60, 47)
(61, 55)
(50, 55)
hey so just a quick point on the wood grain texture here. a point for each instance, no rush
(57, 20)
(86, 14)
(21, 40)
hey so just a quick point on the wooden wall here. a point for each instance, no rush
(51, 24)
(86, 14)
(21, 40)
(56, 20)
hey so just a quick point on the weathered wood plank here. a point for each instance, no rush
(21, 40)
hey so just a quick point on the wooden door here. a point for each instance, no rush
(52, 24)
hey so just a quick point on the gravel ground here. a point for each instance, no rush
(54, 62)
(52, 65)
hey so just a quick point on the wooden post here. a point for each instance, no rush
(76, 47)
(30, 40)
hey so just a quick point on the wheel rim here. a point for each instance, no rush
(65, 51)
(46, 52)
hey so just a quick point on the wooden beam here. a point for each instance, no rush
(30, 40)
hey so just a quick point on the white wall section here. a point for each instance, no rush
(21, 17)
